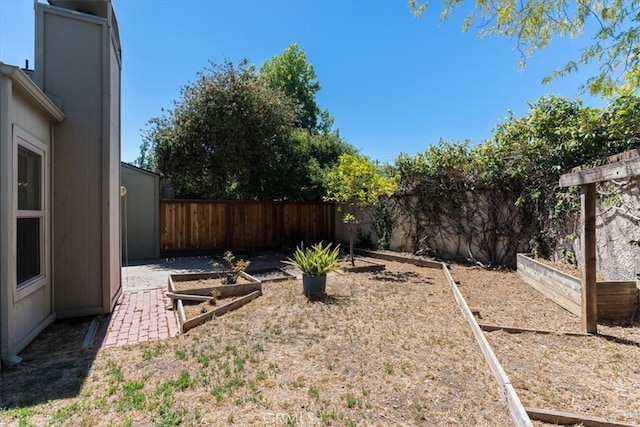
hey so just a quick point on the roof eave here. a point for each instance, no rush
(24, 83)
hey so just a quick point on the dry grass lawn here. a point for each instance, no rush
(388, 348)
(384, 349)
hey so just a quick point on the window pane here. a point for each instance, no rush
(28, 249)
(29, 179)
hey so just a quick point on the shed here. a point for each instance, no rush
(140, 213)
(27, 117)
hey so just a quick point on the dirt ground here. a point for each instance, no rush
(593, 375)
(383, 349)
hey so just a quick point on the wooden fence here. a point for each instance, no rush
(200, 226)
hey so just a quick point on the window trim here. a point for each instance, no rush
(31, 143)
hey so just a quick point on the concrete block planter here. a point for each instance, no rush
(617, 300)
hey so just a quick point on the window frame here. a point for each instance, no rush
(23, 139)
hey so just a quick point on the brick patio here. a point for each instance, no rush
(139, 316)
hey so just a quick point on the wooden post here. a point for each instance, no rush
(589, 293)
(230, 209)
(587, 179)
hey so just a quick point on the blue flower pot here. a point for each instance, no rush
(314, 286)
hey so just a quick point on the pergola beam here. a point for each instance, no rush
(619, 170)
(587, 180)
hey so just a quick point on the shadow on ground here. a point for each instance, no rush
(396, 277)
(329, 299)
(54, 366)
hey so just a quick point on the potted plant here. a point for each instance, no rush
(315, 262)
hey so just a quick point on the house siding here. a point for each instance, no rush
(27, 311)
(75, 63)
(112, 180)
(25, 117)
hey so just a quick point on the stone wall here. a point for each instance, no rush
(617, 226)
(618, 223)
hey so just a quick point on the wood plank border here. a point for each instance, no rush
(219, 311)
(512, 330)
(187, 297)
(616, 300)
(257, 271)
(620, 170)
(566, 418)
(518, 413)
(223, 290)
(399, 258)
(365, 267)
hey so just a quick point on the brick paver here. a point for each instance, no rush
(139, 316)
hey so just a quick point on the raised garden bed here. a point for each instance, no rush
(200, 296)
(400, 257)
(202, 283)
(361, 266)
(617, 300)
(271, 274)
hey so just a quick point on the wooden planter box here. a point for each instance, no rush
(251, 284)
(271, 274)
(617, 300)
(245, 292)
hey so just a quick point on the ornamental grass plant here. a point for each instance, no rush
(316, 260)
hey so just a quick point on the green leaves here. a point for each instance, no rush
(356, 181)
(236, 134)
(223, 135)
(613, 26)
(513, 176)
(315, 260)
(294, 76)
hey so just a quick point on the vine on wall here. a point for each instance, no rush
(487, 202)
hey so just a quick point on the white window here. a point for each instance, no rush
(30, 199)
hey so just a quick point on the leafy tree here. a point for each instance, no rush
(146, 159)
(532, 24)
(234, 135)
(293, 75)
(305, 164)
(225, 135)
(358, 183)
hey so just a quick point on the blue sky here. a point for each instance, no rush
(392, 82)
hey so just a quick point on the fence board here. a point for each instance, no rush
(201, 226)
